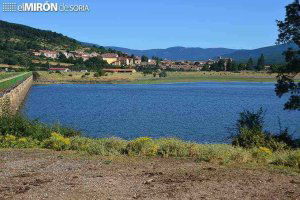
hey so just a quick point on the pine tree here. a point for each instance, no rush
(260, 63)
(250, 63)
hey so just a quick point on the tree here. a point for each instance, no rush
(163, 74)
(206, 67)
(260, 63)
(289, 31)
(144, 58)
(232, 66)
(249, 63)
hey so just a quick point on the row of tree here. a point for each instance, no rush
(260, 63)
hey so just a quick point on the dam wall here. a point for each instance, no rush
(12, 99)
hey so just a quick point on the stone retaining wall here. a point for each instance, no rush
(15, 97)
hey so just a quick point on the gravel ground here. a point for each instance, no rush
(45, 174)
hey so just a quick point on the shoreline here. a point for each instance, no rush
(154, 81)
(140, 78)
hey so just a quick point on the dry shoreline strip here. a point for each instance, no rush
(139, 78)
(47, 174)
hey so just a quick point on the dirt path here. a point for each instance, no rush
(43, 174)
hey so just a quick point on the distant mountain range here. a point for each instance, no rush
(18, 39)
(273, 54)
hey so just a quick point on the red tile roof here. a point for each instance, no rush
(109, 55)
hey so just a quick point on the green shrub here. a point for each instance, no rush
(250, 133)
(142, 146)
(100, 73)
(35, 75)
(11, 141)
(249, 138)
(80, 143)
(115, 146)
(172, 148)
(262, 154)
(20, 126)
(162, 74)
(57, 142)
(109, 146)
(96, 148)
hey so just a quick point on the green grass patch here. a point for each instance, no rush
(14, 81)
(5, 75)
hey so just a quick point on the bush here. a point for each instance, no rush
(11, 141)
(35, 75)
(249, 138)
(20, 126)
(250, 133)
(172, 148)
(100, 73)
(262, 154)
(57, 142)
(163, 74)
(87, 74)
(142, 146)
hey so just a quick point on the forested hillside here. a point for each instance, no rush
(17, 42)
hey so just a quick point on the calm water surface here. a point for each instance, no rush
(200, 112)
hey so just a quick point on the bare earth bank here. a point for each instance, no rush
(45, 174)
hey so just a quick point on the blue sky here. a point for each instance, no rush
(145, 24)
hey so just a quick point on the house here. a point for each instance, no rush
(67, 54)
(60, 69)
(125, 60)
(120, 70)
(37, 53)
(49, 54)
(151, 62)
(46, 53)
(137, 60)
(110, 57)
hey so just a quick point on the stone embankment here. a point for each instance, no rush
(12, 99)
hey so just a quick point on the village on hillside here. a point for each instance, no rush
(126, 63)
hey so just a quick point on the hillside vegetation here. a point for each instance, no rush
(17, 42)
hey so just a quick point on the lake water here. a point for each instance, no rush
(201, 112)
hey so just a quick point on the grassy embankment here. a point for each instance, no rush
(9, 80)
(19, 132)
(139, 78)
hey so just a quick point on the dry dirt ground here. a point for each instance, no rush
(45, 174)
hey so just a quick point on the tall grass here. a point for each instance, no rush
(19, 132)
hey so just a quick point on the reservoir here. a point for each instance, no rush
(202, 112)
